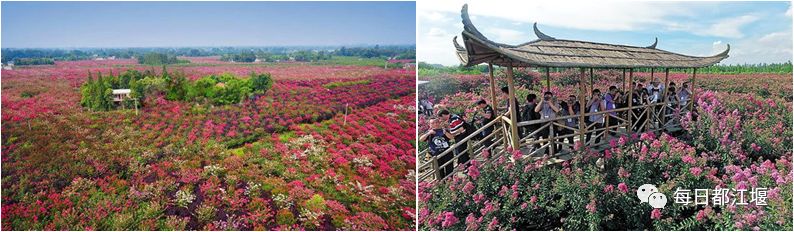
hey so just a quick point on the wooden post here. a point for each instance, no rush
(493, 98)
(548, 82)
(664, 94)
(624, 80)
(692, 98)
(493, 89)
(552, 139)
(436, 169)
(631, 96)
(582, 107)
(513, 107)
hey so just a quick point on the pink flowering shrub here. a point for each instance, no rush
(741, 125)
(579, 195)
(739, 137)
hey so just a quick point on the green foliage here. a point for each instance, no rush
(352, 60)
(272, 57)
(310, 55)
(247, 57)
(780, 68)
(285, 217)
(154, 58)
(228, 89)
(426, 69)
(398, 52)
(205, 213)
(28, 94)
(217, 89)
(261, 83)
(33, 61)
(152, 86)
(176, 86)
(265, 53)
(97, 94)
(315, 204)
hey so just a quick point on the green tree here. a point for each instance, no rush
(261, 83)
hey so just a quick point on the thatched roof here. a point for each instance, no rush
(548, 51)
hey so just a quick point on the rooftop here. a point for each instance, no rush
(547, 51)
(121, 91)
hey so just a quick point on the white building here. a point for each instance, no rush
(121, 94)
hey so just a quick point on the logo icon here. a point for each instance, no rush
(650, 194)
(645, 191)
(657, 200)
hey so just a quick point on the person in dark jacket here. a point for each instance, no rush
(457, 127)
(438, 141)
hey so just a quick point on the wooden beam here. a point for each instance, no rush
(692, 98)
(494, 103)
(582, 107)
(513, 107)
(624, 81)
(630, 98)
(493, 89)
(664, 94)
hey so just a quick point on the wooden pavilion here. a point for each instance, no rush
(549, 52)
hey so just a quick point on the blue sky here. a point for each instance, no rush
(758, 32)
(147, 24)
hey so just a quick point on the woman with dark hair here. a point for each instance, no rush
(639, 98)
(672, 103)
(566, 110)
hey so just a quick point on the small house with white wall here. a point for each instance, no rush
(120, 95)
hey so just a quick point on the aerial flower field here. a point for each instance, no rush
(326, 148)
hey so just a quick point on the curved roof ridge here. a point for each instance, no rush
(552, 52)
(469, 27)
(539, 34)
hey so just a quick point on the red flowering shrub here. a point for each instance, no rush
(300, 157)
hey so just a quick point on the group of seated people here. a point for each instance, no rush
(447, 126)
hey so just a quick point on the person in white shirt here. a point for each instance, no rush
(683, 94)
(655, 91)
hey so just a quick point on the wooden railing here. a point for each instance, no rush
(657, 117)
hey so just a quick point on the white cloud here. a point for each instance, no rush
(788, 12)
(508, 36)
(594, 15)
(773, 47)
(716, 48)
(729, 28)
(775, 37)
(432, 16)
(437, 32)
